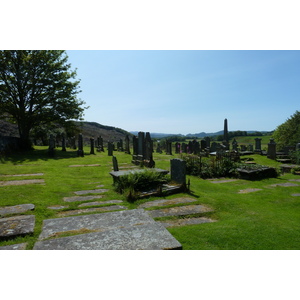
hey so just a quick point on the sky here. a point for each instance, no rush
(188, 91)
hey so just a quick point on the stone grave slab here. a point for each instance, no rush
(184, 222)
(19, 225)
(83, 198)
(77, 166)
(286, 184)
(97, 191)
(89, 210)
(56, 207)
(296, 195)
(179, 211)
(20, 175)
(223, 180)
(122, 230)
(166, 202)
(250, 190)
(21, 182)
(100, 203)
(297, 180)
(14, 247)
(16, 209)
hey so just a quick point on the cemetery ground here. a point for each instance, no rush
(248, 215)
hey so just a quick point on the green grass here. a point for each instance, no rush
(268, 219)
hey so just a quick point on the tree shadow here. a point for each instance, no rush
(38, 154)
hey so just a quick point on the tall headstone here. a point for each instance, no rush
(207, 142)
(115, 163)
(127, 145)
(92, 146)
(110, 148)
(258, 144)
(234, 145)
(141, 144)
(271, 149)
(178, 171)
(80, 145)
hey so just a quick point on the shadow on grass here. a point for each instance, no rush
(38, 154)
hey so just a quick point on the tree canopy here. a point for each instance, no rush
(288, 133)
(38, 87)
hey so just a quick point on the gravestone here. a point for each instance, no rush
(80, 146)
(127, 145)
(63, 143)
(250, 147)
(115, 163)
(92, 146)
(271, 149)
(234, 145)
(168, 148)
(184, 148)
(51, 148)
(207, 139)
(213, 147)
(177, 148)
(226, 136)
(258, 144)
(178, 171)
(243, 148)
(110, 148)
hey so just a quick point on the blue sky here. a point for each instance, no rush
(182, 91)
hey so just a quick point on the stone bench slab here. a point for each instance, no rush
(19, 225)
(166, 202)
(179, 211)
(151, 236)
(16, 209)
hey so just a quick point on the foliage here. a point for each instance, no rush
(134, 183)
(37, 87)
(288, 133)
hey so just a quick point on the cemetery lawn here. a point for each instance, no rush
(264, 219)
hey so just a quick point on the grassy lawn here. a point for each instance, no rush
(266, 219)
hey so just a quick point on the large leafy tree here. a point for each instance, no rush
(288, 133)
(38, 87)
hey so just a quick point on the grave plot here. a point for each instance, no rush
(122, 230)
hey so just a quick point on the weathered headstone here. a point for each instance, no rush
(258, 144)
(110, 148)
(80, 151)
(178, 171)
(92, 146)
(271, 149)
(51, 148)
(127, 145)
(234, 145)
(226, 136)
(115, 163)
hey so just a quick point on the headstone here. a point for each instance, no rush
(234, 145)
(115, 163)
(243, 148)
(271, 149)
(178, 171)
(207, 142)
(177, 148)
(203, 145)
(63, 143)
(51, 148)
(213, 147)
(250, 147)
(110, 148)
(141, 145)
(92, 146)
(80, 145)
(127, 145)
(258, 144)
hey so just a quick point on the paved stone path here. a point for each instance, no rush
(184, 222)
(99, 203)
(97, 191)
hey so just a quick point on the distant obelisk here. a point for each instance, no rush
(226, 139)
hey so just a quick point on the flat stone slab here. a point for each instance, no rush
(100, 203)
(296, 195)
(16, 209)
(92, 165)
(297, 180)
(287, 184)
(142, 237)
(99, 222)
(19, 225)
(97, 191)
(223, 181)
(20, 175)
(179, 211)
(166, 202)
(78, 198)
(122, 230)
(56, 207)
(184, 222)
(21, 182)
(88, 210)
(249, 191)
(14, 247)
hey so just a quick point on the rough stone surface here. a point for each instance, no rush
(84, 198)
(100, 203)
(21, 182)
(19, 225)
(250, 190)
(14, 247)
(287, 184)
(223, 181)
(142, 237)
(184, 222)
(92, 165)
(97, 191)
(166, 202)
(297, 180)
(179, 211)
(100, 222)
(89, 210)
(296, 195)
(16, 209)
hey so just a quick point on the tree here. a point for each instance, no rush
(288, 133)
(37, 87)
